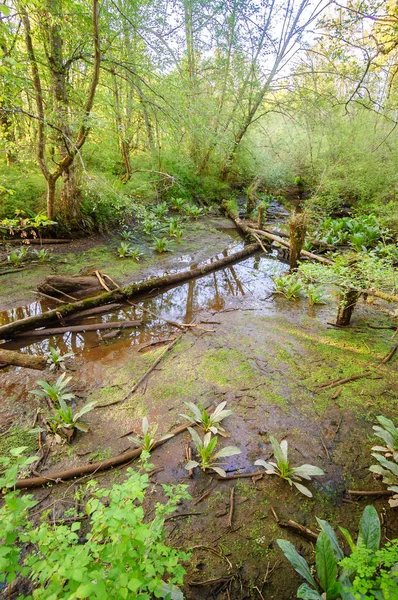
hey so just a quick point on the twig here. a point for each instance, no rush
(202, 497)
(47, 296)
(211, 581)
(337, 428)
(274, 513)
(156, 343)
(389, 355)
(188, 454)
(325, 448)
(231, 507)
(189, 514)
(61, 292)
(239, 476)
(332, 384)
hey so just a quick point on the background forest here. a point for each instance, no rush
(104, 105)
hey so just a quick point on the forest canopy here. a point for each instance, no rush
(106, 105)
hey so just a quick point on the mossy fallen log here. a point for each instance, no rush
(17, 359)
(9, 330)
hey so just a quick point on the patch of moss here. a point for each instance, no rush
(16, 438)
(226, 367)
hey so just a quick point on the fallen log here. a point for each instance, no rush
(270, 236)
(60, 476)
(36, 241)
(79, 328)
(63, 283)
(119, 295)
(371, 492)
(18, 359)
(91, 312)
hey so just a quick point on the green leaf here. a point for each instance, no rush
(369, 529)
(302, 488)
(326, 564)
(307, 471)
(196, 439)
(349, 539)
(298, 562)
(5, 10)
(307, 593)
(339, 554)
(228, 451)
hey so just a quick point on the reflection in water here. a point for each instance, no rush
(212, 292)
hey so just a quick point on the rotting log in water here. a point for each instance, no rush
(272, 237)
(17, 359)
(62, 283)
(9, 330)
(79, 328)
(120, 459)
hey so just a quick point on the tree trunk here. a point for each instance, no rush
(298, 228)
(347, 304)
(70, 194)
(51, 187)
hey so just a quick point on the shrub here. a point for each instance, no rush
(121, 554)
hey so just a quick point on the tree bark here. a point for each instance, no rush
(298, 230)
(347, 304)
(80, 328)
(121, 294)
(11, 357)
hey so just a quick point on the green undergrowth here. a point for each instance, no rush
(17, 437)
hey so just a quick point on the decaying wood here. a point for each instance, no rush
(231, 507)
(298, 228)
(79, 328)
(389, 355)
(35, 241)
(296, 527)
(18, 359)
(332, 384)
(60, 476)
(91, 312)
(65, 284)
(347, 303)
(119, 295)
(270, 236)
(155, 343)
(371, 492)
(239, 476)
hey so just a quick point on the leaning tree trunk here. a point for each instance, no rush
(347, 304)
(298, 228)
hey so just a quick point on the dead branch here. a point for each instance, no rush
(18, 359)
(332, 384)
(231, 507)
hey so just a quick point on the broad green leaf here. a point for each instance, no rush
(168, 590)
(195, 410)
(327, 529)
(228, 451)
(334, 592)
(307, 593)
(369, 529)
(302, 488)
(298, 562)
(197, 441)
(308, 471)
(349, 539)
(278, 452)
(191, 464)
(5, 10)
(145, 425)
(263, 463)
(326, 563)
(220, 471)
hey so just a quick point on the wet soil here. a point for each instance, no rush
(266, 357)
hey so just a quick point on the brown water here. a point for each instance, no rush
(211, 293)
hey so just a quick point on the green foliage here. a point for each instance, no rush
(127, 235)
(316, 294)
(161, 245)
(54, 391)
(283, 468)
(64, 419)
(376, 572)
(16, 257)
(367, 570)
(25, 225)
(121, 553)
(160, 210)
(147, 439)
(387, 456)
(127, 250)
(360, 233)
(193, 211)
(208, 458)
(208, 422)
(178, 203)
(56, 360)
(43, 255)
(289, 286)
